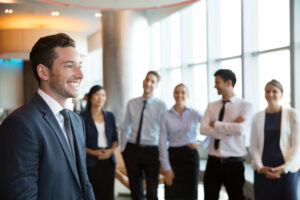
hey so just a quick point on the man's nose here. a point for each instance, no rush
(79, 73)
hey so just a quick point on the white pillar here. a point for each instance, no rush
(125, 57)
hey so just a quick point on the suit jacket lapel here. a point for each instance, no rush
(53, 124)
(78, 136)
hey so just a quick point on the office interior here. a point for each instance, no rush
(186, 41)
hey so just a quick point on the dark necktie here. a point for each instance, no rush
(138, 138)
(68, 128)
(221, 116)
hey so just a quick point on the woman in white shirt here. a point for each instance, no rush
(275, 148)
(101, 142)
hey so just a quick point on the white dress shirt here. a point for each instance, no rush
(56, 108)
(231, 134)
(289, 139)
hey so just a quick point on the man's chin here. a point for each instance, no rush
(73, 94)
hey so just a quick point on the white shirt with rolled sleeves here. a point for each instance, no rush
(232, 135)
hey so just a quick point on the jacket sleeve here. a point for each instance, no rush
(293, 152)
(255, 143)
(114, 128)
(19, 155)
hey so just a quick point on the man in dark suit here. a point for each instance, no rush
(42, 144)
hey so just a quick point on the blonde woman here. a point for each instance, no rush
(177, 148)
(275, 148)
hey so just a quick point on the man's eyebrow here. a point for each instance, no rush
(71, 62)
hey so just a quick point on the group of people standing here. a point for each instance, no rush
(43, 153)
(153, 136)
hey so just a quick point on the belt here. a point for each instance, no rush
(224, 160)
(142, 145)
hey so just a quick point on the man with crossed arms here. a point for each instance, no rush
(226, 122)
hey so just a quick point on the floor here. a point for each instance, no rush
(122, 193)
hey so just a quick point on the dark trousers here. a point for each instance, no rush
(185, 165)
(231, 174)
(102, 178)
(142, 162)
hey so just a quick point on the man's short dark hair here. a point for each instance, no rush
(43, 51)
(155, 74)
(226, 74)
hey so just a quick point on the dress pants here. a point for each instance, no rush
(185, 165)
(142, 161)
(230, 173)
(102, 178)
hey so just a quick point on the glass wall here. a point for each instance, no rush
(191, 44)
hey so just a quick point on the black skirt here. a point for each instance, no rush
(185, 165)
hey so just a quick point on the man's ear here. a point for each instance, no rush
(229, 82)
(43, 72)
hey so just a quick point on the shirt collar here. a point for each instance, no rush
(175, 112)
(232, 99)
(149, 99)
(52, 103)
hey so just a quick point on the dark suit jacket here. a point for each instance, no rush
(36, 162)
(92, 134)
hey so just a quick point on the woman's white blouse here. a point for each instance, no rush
(102, 140)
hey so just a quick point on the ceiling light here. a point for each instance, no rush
(55, 13)
(8, 11)
(98, 15)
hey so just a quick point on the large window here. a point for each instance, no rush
(199, 32)
(155, 47)
(252, 38)
(273, 24)
(275, 65)
(195, 78)
(230, 28)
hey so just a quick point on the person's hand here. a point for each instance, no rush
(239, 119)
(277, 171)
(194, 146)
(212, 123)
(96, 152)
(104, 154)
(169, 176)
(267, 171)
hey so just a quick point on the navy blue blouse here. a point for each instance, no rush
(272, 155)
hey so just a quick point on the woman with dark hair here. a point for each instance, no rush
(275, 148)
(101, 142)
(178, 148)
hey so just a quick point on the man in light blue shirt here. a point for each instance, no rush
(140, 136)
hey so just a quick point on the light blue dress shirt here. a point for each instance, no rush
(151, 121)
(177, 131)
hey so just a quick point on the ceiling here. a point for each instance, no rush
(75, 15)
(34, 14)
